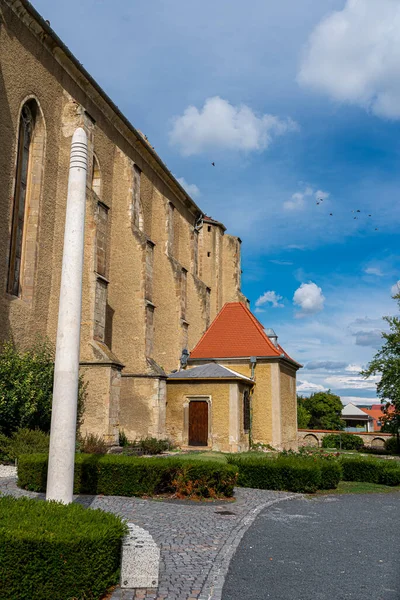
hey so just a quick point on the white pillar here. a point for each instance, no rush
(60, 480)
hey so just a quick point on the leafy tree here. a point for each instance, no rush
(325, 409)
(303, 415)
(26, 387)
(386, 363)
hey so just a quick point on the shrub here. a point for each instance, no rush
(391, 445)
(92, 444)
(23, 441)
(122, 439)
(116, 475)
(151, 445)
(373, 450)
(26, 388)
(371, 470)
(348, 441)
(293, 474)
(331, 474)
(48, 550)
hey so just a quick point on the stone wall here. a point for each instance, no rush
(314, 437)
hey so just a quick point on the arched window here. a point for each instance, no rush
(136, 209)
(27, 192)
(96, 177)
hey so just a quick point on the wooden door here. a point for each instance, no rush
(198, 423)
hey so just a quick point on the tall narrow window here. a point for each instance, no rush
(101, 271)
(149, 330)
(137, 213)
(171, 217)
(96, 177)
(246, 411)
(183, 293)
(26, 125)
(208, 307)
(149, 270)
(195, 261)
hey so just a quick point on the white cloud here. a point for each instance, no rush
(320, 195)
(309, 298)
(353, 56)
(352, 382)
(281, 262)
(326, 365)
(353, 369)
(297, 200)
(395, 289)
(220, 125)
(271, 298)
(307, 386)
(296, 247)
(373, 271)
(191, 188)
(365, 337)
(358, 400)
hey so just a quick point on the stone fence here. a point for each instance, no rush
(313, 437)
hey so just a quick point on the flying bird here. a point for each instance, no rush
(358, 210)
(331, 214)
(213, 164)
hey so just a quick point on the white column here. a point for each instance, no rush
(60, 480)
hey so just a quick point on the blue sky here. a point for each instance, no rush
(294, 102)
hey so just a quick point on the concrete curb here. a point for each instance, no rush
(140, 562)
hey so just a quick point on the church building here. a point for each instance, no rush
(157, 270)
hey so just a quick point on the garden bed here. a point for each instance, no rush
(116, 475)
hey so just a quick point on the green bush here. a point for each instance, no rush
(122, 439)
(92, 444)
(26, 388)
(48, 550)
(116, 475)
(371, 470)
(349, 441)
(331, 474)
(23, 441)
(151, 445)
(391, 445)
(292, 474)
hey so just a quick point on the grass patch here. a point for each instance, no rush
(359, 487)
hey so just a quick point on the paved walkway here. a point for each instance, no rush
(197, 540)
(327, 548)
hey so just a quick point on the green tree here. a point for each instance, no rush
(325, 409)
(26, 387)
(303, 415)
(386, 364)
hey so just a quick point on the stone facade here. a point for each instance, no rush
(155, 270)
(273, 399)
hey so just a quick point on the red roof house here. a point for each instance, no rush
(237, 340)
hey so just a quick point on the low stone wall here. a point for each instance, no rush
(313, 437)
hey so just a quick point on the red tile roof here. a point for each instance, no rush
(376, 412)
(235, 333)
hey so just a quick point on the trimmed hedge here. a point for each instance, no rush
(48, 550)
(116, 475)
(346, 441)
(292, 474)
(372, 471)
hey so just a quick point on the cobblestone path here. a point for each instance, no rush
(197, 540)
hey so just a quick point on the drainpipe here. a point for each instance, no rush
(60, 480)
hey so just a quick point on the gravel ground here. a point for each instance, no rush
(197, 540)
